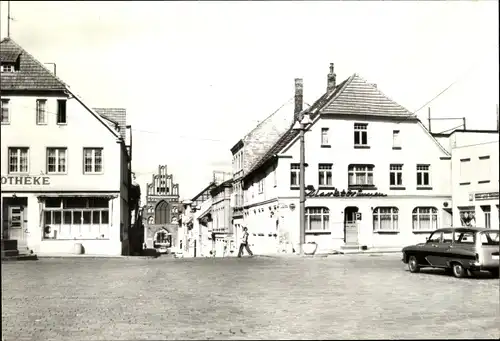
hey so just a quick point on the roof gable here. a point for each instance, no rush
(32, 75)
(362, 98)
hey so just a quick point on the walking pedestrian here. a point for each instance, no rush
(244, 243)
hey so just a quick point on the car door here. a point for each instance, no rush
(442, 255)
(432, 248)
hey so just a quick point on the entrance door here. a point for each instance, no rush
(350, 225)
(17, 228)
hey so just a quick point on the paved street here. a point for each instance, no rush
(341, 297)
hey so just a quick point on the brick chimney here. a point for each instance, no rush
(332, 77)
(299, 98)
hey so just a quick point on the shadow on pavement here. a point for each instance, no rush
(442, 272)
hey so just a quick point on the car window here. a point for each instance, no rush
(489, 238)
(435, 237)
(447, 237)
(464, 237)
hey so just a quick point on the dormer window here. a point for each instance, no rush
(7, 67)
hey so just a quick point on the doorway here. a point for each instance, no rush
(15, 223)
(351, 225)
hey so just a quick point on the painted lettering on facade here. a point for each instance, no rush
(342, 194)
(486, 196)
(26, 180)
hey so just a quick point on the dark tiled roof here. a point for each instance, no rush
(32, 75)
(9, 56)
(352, 96)
(290, 134)
(115, 115)
(362, 98)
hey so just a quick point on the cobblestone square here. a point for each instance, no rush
(340, 297)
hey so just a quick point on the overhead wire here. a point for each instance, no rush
(158, 132)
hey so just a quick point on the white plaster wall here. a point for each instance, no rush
(82, 130)
(417, 147)
(465, 186)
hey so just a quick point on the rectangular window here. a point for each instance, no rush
(61, 111)
(18, 160)
(7, 68)
(464, 237)
(385, 219)
(396, 175)
(325, 174)
(360, 134)
(324, 136)
(76, 218)
(361, 175)
(275, 177)
(41, 117)
(294, 175)
(484, 169)
(92, 160)
(56, 160)
(487, 216)
(465, 171)
(423, 176)
(396, 142)
(317, 219)
(5, 111)
(261, 186)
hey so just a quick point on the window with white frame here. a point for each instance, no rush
(425, 219)
(5, 111)
(385, 219)
(360, 134)
(7, 67)
(360, 175)
(396, 139)
(41, 117)
(325, 174)
(56, 160)
(261, 186)
(92, 160)
(18, 160)
(294, 175)
(317, 219)
(487, 216)
(396, 175)
(465, 171)
(484, 169)
(423, 175)
(76, 218)
(324, 136)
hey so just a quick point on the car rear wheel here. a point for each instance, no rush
(495, 273)
(458, 270)
(413, 264)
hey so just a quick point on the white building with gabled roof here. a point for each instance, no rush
(65, 168)
(376, 177)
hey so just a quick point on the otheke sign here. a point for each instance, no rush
(26, 180)
(342, 194)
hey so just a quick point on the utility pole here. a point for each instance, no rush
(429, 111)
(465, 127)
(498, 121)
(8, 19)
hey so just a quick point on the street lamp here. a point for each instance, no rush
(302, 124)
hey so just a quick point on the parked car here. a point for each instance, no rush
(460, 250)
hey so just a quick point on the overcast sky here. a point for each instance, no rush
(196, 76)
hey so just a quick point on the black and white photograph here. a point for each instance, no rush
(249, 170)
